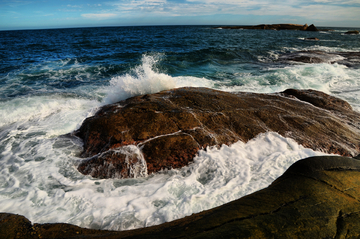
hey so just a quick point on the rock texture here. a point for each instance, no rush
(317, 197)
(275, 27)
(171, 126)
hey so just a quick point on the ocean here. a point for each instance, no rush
(51, 80)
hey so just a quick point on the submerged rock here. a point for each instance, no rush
(349, 59)
(312, 39)
(355, 32)
(168, 128)
(317, 197)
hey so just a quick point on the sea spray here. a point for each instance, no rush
(143, 80)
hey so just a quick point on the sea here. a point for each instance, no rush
(51, 80)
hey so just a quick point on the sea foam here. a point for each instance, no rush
(39, 179)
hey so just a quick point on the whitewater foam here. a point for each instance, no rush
(330, 78)
(45, 109)
(320, 48)
(40, 180)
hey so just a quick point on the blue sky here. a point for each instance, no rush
(29, 14)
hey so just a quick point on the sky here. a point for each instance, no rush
(43, 14)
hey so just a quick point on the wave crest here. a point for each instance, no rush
(144, 80)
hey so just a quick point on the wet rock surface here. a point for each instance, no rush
(349, 59)
(317, 197)
(169, 127)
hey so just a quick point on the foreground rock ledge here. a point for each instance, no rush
(317, 197)
(165, 130)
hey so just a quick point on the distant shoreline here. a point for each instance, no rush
(298, 27)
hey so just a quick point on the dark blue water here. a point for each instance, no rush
(61, 59)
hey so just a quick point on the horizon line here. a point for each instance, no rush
(153, 25)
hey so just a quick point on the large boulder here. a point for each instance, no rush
(317, 197)
(145, 134)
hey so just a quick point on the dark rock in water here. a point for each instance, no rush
(317, 197)
(307, 57)
(272, 27)
(312, 39)
(352, 32)
(166, 130)
(311, 28)
(349, 59)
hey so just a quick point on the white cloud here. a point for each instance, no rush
(313, 10)
(74, 6)
(99, 15)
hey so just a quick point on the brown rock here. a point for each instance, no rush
(304, 27)
(312, 28)
(15, 226)
(125, 162)
(171, 126)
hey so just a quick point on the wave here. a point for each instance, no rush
(143, 80)
(321, 48)
(54, 114)
(146, 79)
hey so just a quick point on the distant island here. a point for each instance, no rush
(275, 27)
(297, 27)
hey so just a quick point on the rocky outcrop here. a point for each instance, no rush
(317, 197)
(311, 28)
(145, 134)
(349, 59)
(275, 27)
(355, 32)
